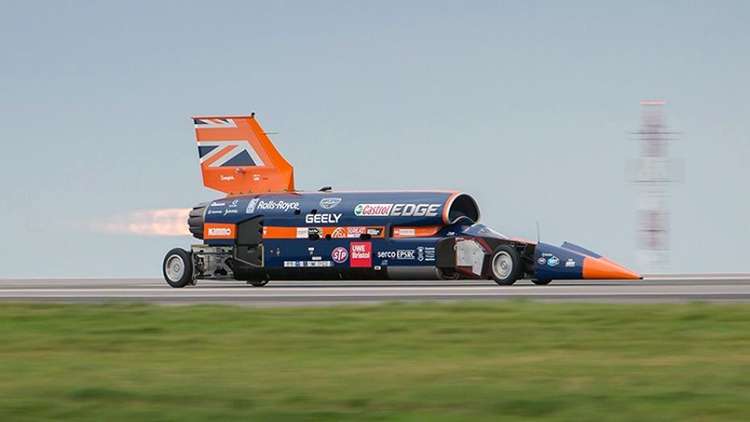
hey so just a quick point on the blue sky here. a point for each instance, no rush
(527, 105)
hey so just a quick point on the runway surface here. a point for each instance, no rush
(294, 293)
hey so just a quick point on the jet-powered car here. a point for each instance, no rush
(266, 230)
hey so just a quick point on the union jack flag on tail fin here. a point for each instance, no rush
(236, 157)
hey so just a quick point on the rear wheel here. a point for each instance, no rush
(258, 283)
(505, 265)
(178, 268)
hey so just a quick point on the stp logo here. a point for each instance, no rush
(339, 255)
(361, 254)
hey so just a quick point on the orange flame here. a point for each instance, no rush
(162, 222)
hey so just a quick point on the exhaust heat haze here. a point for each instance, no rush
(160, 222)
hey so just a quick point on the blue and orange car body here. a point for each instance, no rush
(265, 229)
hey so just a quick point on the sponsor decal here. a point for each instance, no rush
(234, 203)
(354, 232)
(226, 178)
(308, 264)
(301, 232)
(340, 255)
(541, 260)
(420, 253)
(405, 254)
(218, 231)
(396, 210)
(328, 203)
(416, 210)
(322, 218)
(405, 232)
(211, 212)
(314, 231)
(217, 204)
(279, 205)
(570, 263)
(429, 253)
(387, 254)
(374, 231)
(372, 210)
(360, 254)
(231, 211)
(553, 261)
(251, 206)
(339, 233)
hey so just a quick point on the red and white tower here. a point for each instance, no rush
(653, 178)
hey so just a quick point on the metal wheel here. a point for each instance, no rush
(505, 265)
(175, 268)
(178, 268)
(502, 264)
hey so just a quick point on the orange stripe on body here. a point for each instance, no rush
(421, 231)
(351, 233)
(270, 232)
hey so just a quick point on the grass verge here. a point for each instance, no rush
(394, 362)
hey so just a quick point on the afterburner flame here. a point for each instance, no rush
(161, 222)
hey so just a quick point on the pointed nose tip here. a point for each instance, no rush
(603, 268)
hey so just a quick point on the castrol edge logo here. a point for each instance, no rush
(218, 231)
(396, 210)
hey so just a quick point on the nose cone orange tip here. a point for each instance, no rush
(603, 268)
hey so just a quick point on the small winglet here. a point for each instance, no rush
(236, 157)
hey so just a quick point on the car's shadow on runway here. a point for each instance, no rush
(390, 284)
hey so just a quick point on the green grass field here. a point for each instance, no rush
(397, 362)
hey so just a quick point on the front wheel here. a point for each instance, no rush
(541, 282)
(505, 265)
(178, 268)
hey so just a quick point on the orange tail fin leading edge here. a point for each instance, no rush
(237, 157)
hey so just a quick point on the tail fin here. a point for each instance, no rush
(237, 157)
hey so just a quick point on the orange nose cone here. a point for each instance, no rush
(603, 268)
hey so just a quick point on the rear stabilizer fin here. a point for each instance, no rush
(236, 157)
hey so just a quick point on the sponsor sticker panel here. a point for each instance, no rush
(328, 203)
(277, 232)
(218, 231)
(277, 205)
(340, 255)
(308, 264)
(397, 210)
(324, 218)
(360, 254)
(419, 253)
(251, 205)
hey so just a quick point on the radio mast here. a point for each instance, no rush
(653, 178)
